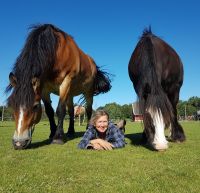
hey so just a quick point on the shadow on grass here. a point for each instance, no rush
(74, 136)
(48, 141)
(39, 144)
(138, 140)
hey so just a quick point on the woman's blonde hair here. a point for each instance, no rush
(97, 114)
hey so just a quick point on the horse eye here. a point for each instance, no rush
(36, 107)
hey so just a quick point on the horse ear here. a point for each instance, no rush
(13, 79)
(36, 84)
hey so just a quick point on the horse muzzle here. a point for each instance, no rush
(23, 141)
(21, 144)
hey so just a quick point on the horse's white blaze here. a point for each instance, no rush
(18, 134)
(19, 125)
(159, 142)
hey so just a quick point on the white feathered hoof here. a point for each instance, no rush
(160, 146)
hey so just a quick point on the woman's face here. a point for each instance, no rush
(101, 124)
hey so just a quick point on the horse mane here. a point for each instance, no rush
(150, 92)
(147, 31)
(37, 56)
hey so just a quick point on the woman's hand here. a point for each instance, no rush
(96, 146)
(100, 144)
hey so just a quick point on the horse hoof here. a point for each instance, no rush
(160, 147)
(181, 140)
(161, 150)
(57, 141)
(51, 136)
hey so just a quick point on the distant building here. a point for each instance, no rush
(137, 116)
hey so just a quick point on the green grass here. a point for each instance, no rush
(64, 168)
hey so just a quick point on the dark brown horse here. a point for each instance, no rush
(157, 75)
(51, 62)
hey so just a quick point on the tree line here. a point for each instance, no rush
(189, 109)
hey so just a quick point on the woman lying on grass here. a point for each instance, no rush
(102, 134)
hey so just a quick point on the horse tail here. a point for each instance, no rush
(151, 95)
(102, 82)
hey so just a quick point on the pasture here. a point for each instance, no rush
(64, 168)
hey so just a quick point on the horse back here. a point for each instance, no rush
(168, 64)
(73, 64)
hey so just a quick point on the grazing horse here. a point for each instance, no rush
(79, 111)
(157, 75)
(51, 62)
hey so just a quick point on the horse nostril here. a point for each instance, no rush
(18, 144)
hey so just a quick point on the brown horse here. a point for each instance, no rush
(79, 111)
(51, 62)
(157, 75)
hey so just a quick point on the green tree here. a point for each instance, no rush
(195, 102)
(126, 111)
(114, 110)
(181, 107)
(7, 113)
(117, 111)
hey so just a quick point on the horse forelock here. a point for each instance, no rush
(22, 96)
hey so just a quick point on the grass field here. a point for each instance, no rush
(64, 168)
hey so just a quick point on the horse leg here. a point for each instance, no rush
(149, 130)
(177, 132)
(61, 109)
(89, 102)
(61, 112)
(50, 114)
(71, 131)
(81, 119)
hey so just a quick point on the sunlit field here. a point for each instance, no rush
(65, 168)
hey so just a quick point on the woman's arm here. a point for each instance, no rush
(85, 141)
(117, 137)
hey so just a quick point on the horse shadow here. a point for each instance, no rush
(74, 136)
(137, 139)
(38, 144)
(45, 142)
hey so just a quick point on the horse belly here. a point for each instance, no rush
(50, 88)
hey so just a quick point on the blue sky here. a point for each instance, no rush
(107, 30)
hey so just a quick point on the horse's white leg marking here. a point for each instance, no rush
(159, 142)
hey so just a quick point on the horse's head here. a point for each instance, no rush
(27, 109)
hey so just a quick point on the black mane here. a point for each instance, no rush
(147, 33)
(35, 60)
